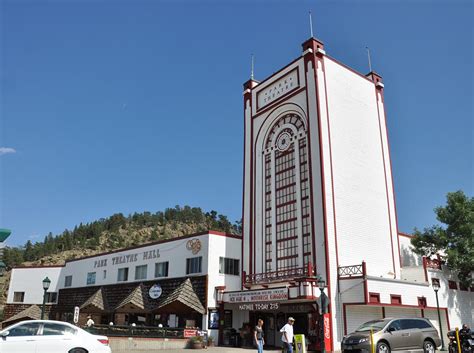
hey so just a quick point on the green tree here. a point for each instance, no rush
(455, 241)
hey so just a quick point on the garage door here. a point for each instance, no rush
(432, 315)
(357, 315)
(393, 311)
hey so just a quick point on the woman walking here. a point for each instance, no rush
(258, 336)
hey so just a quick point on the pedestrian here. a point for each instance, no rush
(258, 336)
(287, 336)
(90, 322)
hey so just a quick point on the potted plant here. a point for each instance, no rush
(196, 342)
(210, 341)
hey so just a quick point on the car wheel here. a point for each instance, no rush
(429, 347)
(383, 347)
(78, 350)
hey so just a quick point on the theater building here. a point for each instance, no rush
(169, 282)
(318, 205)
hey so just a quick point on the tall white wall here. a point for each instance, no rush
(30, 281)
(222, 247)
(363, 226)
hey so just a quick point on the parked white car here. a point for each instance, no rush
(48, 336)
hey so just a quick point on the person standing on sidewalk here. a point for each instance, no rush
(287, 336)
(258, 336)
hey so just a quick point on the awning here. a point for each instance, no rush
(181, 300)
(134, 302)
(31, 313)
(96, 303)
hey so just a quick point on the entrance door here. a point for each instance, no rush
(269, 326)
(301, 324)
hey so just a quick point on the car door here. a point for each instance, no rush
(395, 336)
(20, 339)
(412, 333)
(55, 337)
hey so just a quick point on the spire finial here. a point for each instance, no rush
(368, 57)
(251, 70)
(311, 24)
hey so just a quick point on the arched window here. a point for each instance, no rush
(287, 228)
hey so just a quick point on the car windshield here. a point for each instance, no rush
(375, 325)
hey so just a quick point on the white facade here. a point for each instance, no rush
(210, 247)
(29, 280)
(369, 268)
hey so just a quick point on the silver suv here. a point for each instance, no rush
(396, 334)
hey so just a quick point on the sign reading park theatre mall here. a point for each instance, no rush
(123, 259)
(264, 299)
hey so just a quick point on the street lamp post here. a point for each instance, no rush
(322, 285)
(435, 285)
(46, 283)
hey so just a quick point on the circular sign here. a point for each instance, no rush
(194, 245)
(155, 291)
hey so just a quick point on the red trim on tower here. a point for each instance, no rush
(332, 187)
(391, 173)
(386, 184)
(310, 159)
(243, 199)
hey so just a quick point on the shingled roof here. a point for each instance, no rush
(134, 301)
(182, 299)
(96, 302)
(33, 312)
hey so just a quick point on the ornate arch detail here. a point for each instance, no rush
(284, 130)
(286, 232)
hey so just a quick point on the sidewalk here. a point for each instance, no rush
(209, 350)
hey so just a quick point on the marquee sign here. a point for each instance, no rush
(278, 89)
(264, 295)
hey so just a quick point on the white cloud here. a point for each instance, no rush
(6, 150)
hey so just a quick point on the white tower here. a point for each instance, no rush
(318, 187)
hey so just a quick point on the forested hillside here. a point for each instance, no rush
(118, 231)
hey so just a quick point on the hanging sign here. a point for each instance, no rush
(155, 291)
(76, 315)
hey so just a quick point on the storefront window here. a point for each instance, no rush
(193, 265)
(161, 269)
(122, 274)
(51, 297)
(18, 297)
(90, 278)
(140, 272)
(229, 266)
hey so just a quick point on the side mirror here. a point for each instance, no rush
(391, 329)
(5, 333)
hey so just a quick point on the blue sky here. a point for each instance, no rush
(129, 106)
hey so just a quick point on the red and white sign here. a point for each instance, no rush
(327, 332)
(190, 333)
